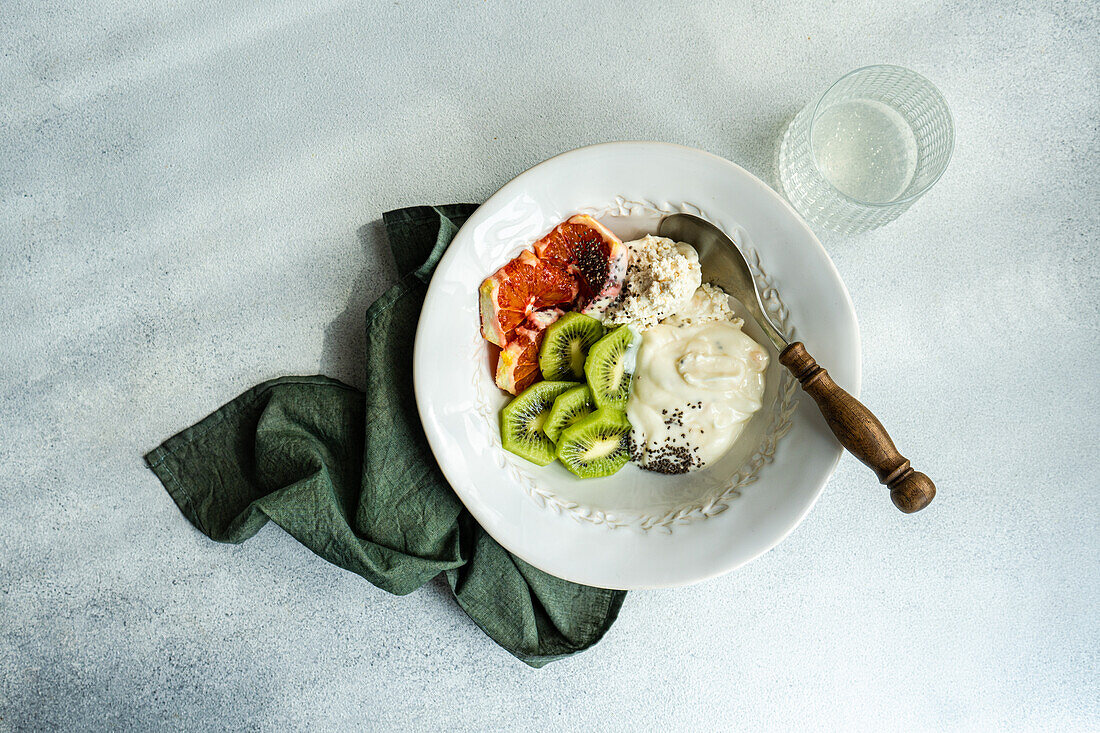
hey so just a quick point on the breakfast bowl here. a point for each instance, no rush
(637, 528)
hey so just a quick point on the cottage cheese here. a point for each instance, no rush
(710, 303)
(662, 279)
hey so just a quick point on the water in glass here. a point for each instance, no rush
(866, 149)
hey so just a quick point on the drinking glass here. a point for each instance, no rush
(859, 155)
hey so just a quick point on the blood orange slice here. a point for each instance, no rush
(594, 254)
(518, 364)
(524, 285)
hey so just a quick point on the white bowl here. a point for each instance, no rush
(636, 529)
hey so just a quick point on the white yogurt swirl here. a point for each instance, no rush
(697, 381)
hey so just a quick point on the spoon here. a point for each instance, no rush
(857, 429)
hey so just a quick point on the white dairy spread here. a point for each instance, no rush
(662, 278)
(697, 380)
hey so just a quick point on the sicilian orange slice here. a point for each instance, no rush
(592, 253)
(521, 287)
(518, 364)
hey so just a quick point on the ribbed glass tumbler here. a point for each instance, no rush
(859, 155)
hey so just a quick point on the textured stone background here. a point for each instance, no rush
(181, 188)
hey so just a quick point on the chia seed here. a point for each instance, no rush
(669, 458)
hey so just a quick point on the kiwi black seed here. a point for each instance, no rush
(607, 369)
(566, 345)
(522, 420)
(569, 408)
(596, 445)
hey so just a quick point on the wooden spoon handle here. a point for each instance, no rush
(860, 432)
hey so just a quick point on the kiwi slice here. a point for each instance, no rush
(606, 369)
(566, 345)
(596, 445)
(568, 408)
(522, 419)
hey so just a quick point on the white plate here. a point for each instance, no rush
(635, 529)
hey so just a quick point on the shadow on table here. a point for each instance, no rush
(344, 346)
(767, 141)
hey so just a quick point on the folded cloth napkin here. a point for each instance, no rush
(350, 476)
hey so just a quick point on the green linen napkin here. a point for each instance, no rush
(350, 476)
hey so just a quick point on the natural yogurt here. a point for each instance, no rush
(697, 377)
(695, 386)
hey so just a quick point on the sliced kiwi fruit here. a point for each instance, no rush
(606, 369)
(522, 419)
(566, 345)
(568, 408)
(596, 445)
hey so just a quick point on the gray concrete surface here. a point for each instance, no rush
(181, 187)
